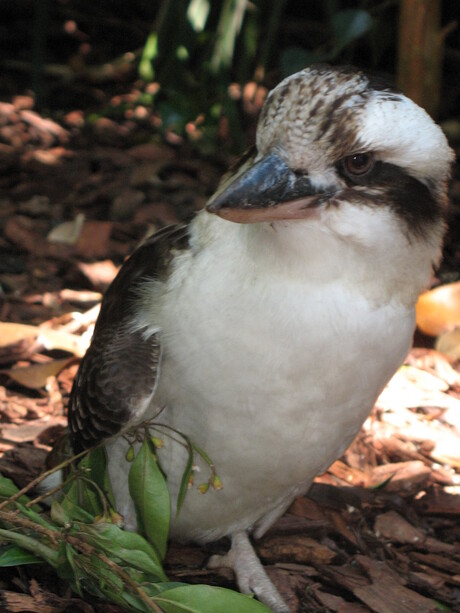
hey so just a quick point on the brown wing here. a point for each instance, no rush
(120, 369)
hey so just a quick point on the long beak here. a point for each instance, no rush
(267, 191)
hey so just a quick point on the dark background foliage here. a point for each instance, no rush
(194, 49)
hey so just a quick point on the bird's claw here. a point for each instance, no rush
(250, 574)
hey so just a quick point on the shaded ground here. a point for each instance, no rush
(378, 532)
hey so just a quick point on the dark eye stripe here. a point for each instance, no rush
(413, 201)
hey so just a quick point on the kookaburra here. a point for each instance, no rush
(265, 330)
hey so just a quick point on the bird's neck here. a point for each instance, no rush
(310, 252)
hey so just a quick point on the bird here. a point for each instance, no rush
(265, 329)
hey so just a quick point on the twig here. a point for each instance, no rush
(11, 517)
(51, 492)
(41, 477)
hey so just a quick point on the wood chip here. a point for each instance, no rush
(387, 594)
(444, 563)
(405, 477)
(300, 549)
(392, 526)
(439, 502)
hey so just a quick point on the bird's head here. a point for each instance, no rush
(331, 142)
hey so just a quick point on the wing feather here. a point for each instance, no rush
(119, 373)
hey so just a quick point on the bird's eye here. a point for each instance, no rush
(358, 164)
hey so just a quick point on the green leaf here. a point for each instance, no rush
(149, 54)
(7, 487)
(95, 493)
(59, 513)
(90, 498)
(70, 491)
(134, 603)
(153, 589)
(63, 569)
(33, 515)
(12, 555)
(96, 464)
(106, 579)
(150, 494)
(31, 544)
(70, 507)
(184, 484)
(129, 547)
(207, 599)
(96, 461)
(140, 560)
(348, 25)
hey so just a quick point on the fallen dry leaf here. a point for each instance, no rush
(436, 362)
(404, 391)
(67, 232)
(101, 273)
(424, 380)
(12, 333)
(36, 376)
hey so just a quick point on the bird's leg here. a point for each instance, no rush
(250, 574)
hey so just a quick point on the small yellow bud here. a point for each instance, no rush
(130, 454)
(217, 483)
(116, 518)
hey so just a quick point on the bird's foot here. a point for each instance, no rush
(250, 574)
